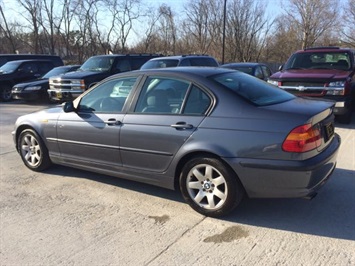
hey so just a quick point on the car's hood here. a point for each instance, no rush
(4, 76)
(37, 82)
(323, 74)
(82, 74)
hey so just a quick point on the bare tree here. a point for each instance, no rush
(33, 9)
(151, 41)
(168, 32)
(7, 31)
(312, 17)
(247, 28)
(197, 25)
(349, 19)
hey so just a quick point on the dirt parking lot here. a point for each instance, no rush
(71, 217)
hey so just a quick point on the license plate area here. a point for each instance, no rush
(329, 131)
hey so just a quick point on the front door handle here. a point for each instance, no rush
(112, 122)
(182, 125)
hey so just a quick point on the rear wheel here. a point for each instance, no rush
(5, 93)
(210, 187)
(345, 118)
(32, 150)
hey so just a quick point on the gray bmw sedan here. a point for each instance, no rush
(215, 134)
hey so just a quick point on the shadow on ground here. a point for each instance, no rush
(330, 214)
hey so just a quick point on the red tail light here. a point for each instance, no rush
(303, 138)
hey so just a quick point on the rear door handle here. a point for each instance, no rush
(112, 122)
(182, 125)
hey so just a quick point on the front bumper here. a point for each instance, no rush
(286, 179)
(63, 94)
(27, 95)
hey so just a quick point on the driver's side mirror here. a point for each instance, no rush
(68, 107)
(281, 67)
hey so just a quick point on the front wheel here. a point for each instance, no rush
(32, 150)
(210, 187)
(6, 93)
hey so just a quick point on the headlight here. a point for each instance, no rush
(335, 91)
(337, 84)
(273, 82)
(78, 83)
(33, 88)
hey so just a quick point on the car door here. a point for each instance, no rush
(27, 71)
(167, 112)
(90, 136)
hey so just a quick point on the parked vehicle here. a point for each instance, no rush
(215, 134)
(14, 72)
(181, 60)
(96, 68)
(323, 73)
(4, 58)
(37, 89)
(259, 70)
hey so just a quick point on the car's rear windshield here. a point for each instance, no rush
(160, 63)
(252, 89)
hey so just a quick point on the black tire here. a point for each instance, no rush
(345, 118)
(32, 150)
(210, 187)
(6, 93)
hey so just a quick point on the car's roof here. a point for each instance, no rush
(325, 49)
(177, 57)
(242, 64)
(188, 70)
(19, 62)
(128, 55)
(68, 66)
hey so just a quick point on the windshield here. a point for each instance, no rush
(98, 63)
(55, 72)
(252, 89)
(319, 60)
(162, 63)
(9, 67)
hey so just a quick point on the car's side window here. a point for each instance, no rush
(197, 102)
(29, 68)
(162, 95)
(123, 65)
(258, 73)
(108, 97)
(266, 71)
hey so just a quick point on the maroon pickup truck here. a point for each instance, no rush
(322, 72)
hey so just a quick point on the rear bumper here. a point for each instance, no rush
(286, 179)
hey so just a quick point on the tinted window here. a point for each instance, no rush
(162, 95)
(266, 71)
(203, 62)
(254, 90)
(197, 102)
(123, 65)
(108, 97)
(137, 62)
(160, 63)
